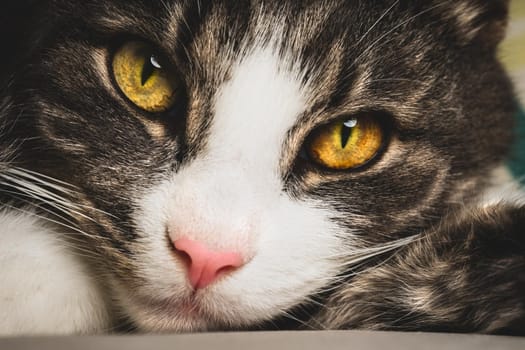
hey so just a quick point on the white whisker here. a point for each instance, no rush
(28, 192)
(58, 203)
(20, 175)
(40, 178)
(399, 25)
(45, 218)
(377, 22)
(20, 197)
(293, 318)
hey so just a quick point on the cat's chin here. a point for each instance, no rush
(167, 316)
(198, 312)
(183, 320)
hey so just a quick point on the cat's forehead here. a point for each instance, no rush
(206, 38)
(338, 47)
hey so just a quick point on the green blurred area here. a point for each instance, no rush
(512, 53)
(517, 8)
(512, 50)
(517, 159)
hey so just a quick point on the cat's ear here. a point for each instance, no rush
(480, 21)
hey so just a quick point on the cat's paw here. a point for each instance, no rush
(467, 274)
(44, 287)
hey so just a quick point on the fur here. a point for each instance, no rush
(226, 166)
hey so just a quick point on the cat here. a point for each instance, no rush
(198, 165)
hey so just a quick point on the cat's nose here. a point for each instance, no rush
(205, 266)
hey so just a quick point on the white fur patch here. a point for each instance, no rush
(503, 189)
(231, 198)
(44, 288)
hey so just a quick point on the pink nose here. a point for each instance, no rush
(206, 266)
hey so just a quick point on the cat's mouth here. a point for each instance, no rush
(177, 306)
(180, 312)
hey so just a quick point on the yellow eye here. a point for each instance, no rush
(346, 144)
(143, 79)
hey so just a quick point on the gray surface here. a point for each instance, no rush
(274, 341)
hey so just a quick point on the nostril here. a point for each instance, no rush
(182, 255)
(226, 269)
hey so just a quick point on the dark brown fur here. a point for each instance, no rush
(456, 278)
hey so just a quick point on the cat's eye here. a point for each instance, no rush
(143, 78)
(346, 143)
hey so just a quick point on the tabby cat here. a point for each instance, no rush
(199, 165)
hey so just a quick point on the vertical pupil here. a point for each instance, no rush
(150, 65)
(346, 131)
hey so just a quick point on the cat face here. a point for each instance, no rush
(301, 138)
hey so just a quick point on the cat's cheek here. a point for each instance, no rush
(293, 249)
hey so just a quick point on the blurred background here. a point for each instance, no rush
(513, 49)
(513, 55)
